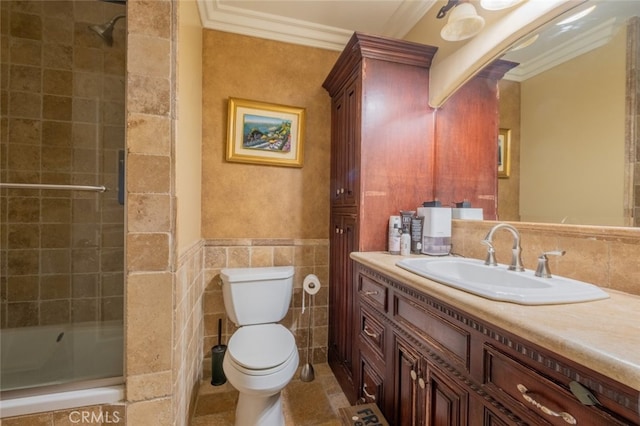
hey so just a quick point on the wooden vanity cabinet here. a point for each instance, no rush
(427, 363)
(384, 158)
(381, 139)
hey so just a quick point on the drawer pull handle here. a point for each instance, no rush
(565, 416)
(367, 394)
(369, 333)
(370, 292)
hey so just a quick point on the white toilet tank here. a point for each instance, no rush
(257, 295)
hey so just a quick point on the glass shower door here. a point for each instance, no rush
(61, 219)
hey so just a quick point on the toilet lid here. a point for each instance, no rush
(262, 346)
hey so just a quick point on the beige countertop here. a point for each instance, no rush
(603, 335)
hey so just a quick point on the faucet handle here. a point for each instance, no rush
(543, 263)
(491, 254)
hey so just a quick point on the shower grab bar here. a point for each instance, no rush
(100, 188)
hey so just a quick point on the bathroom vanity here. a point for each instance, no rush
(429, 354)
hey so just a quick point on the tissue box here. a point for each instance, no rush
(436, 233)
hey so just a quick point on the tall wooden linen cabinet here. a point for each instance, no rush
(382, 142)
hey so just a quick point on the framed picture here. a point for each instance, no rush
(264, 133)
(504, 153)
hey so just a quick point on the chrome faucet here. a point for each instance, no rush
(516, 259)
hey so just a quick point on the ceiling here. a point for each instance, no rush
(329, 24)
(559, 43)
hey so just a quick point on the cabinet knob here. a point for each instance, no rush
(527, 397)
(422, 383)
(414, 375)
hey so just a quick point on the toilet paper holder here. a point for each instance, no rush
(310, 286)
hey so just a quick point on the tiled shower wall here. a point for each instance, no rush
(62, 92)
(306, 256)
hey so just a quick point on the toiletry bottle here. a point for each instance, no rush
(405, 244)
(395, 228)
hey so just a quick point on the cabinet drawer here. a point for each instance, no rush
(371, 330)
(538, 397)
(371, 386)
(451, 340)
(373, 292)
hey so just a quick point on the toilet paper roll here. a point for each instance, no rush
(311, 284)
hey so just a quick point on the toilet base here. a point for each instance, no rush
(258, 410)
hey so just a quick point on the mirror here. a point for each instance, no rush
(572, 115)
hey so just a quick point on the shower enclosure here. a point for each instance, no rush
(61, 203)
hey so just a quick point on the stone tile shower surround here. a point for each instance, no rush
(62, 94)
(306, 256)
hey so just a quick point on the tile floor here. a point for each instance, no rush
(314, 403)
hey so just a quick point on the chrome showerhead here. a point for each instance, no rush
(105, 31)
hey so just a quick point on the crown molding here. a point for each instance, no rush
(406, 17)
(592, 39)
(224, 17)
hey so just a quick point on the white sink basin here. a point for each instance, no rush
(498, 283)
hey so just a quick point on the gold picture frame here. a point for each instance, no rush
(265, 133)
(504, 153)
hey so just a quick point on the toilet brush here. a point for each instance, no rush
(217, 355)
(307, 374)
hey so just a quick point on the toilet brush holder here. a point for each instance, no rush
(217, 355)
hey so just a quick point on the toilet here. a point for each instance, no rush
(261, 357)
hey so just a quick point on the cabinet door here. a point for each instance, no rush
(447, 402)
(345, 133)
(341, 331)
(338, 137)
(352, 141)
(406, 401)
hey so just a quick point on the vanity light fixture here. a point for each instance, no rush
(444, 9)
(577, 16)
(464, 22)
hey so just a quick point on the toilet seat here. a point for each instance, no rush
(261, 349)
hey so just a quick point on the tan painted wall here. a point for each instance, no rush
(258, 201)
(509, 188)
(189, 126)
(572, 152)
